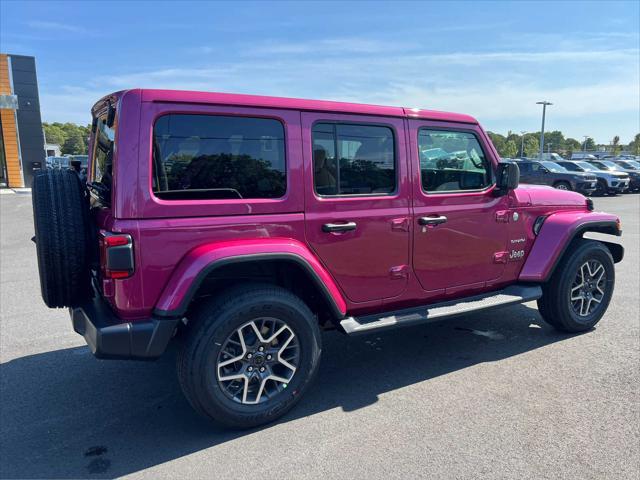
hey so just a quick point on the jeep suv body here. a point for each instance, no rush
(239, 226)
(632, 177)
(607, 181)
(554, 175)
(632, 168)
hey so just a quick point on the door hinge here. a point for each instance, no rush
(400, 224)
(500, 257)
(399, 271)
(502, 216)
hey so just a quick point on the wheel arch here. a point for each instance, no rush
(212, 268)
(556, 236)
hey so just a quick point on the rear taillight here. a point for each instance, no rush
(116, 255)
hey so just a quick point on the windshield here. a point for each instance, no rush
(586, 166)
(612, 165)
(571, 166)
(553, 167)
(632, 164)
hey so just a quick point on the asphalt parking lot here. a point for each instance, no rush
(489, 395)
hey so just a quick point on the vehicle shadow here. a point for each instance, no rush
(65, 414)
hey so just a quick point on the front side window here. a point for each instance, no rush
(452, 161)
(353, 159)
(218, 157)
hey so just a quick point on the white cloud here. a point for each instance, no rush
(65, 27)
(493, 86)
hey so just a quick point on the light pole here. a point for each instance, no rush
(522, 145)
(544, 104)
(584, 144)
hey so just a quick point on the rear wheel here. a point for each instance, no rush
(249, 355)
(579, 292)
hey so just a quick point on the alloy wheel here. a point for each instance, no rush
(588, 288)
(258, 361)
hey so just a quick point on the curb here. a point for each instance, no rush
(13, 191)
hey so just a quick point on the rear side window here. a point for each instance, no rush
(218, 157)
(353, 159)
(452, 161)
(102, 166)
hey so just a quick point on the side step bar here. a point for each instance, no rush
(412, 316)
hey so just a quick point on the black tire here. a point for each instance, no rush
(62, 228)
(601, 188)
(562, 185)
(210, 327)
(556, 306)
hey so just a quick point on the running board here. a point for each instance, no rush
(412, 316)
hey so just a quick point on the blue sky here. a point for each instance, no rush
(493, 60)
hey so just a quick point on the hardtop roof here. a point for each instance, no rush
(215, 98)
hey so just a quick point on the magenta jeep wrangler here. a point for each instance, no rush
(240, 226)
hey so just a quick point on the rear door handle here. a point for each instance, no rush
(338, 227)
(432, 221)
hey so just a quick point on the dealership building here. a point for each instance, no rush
(21, 138)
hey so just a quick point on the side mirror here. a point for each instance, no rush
(508, 177)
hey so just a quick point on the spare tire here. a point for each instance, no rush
(63, 235)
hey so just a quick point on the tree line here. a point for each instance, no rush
(513, 145)
(74, 140)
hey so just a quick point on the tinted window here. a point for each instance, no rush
(571, 166)
(209, 157)
(524, 167)
(452, 161)
(102, 166)
(353, 159)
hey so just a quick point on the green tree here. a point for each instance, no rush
(634, 145)
(73, 139)
(531, 146)
(555, 138)
(498, 141)
(54, 134)
(615, 144)
(510, 149)
(74, 143)
(589, 144)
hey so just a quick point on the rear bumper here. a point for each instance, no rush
(108, 337)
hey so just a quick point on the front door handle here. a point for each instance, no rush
(338, 227)
(432, 221)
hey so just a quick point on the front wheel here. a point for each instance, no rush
(578, 294)
(249, 355)
(562, 185)
(601, 188)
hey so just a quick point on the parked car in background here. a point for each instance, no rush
(83, 159)
(628, 163)
(552, 157)
(58, 162)
(554, 175)
(608, 181)
(615, 166)
(583, 156)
